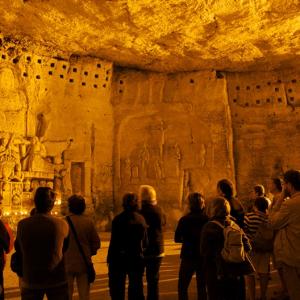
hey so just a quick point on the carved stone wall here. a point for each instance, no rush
(56, 127)
(266, 125)
(172, 132)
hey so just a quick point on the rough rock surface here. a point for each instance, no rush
(167, 36)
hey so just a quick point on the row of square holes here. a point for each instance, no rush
(269, 83)
(268, 100)
(71, 80)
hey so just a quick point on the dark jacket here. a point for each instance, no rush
(156, 220)
(237, 212)
(4, 244)
(41, 242)
(128, 237)
(188, 232)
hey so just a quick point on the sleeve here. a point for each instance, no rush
(280, 219)
(4, 238)
(67, 236)
(178, 237)
(145, 241)
(95, 242)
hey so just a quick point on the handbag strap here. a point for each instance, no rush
(77, 241)
(218, 223)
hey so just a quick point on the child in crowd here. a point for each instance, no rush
(259, 257)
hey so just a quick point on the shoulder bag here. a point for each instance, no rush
(89, 265)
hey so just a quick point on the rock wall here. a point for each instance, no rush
(172, 132)
(56, 126)
(82, 126)
(266, 123)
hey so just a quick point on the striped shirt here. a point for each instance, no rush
(252, 222)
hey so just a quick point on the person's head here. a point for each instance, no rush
(147, 195)
(261, 204)
(44, 199)
(130, 202)
(76, 204)
(275, 185)
(196, 202)
(225, 189)
(219, 208)
(259, 190)
(291, 180)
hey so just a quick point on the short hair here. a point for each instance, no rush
(147, 194)
(196, 201)
(262, 204)
(226, 187)
(76, 204)
(259, 190)
(292, 177)
(128, 200)
(219, 208)
(278, 183)
(44, 199)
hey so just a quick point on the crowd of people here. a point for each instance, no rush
(226, 243)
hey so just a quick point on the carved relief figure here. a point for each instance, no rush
(159, 170)
(178, 157)
(127, 170)
(10, 162)
(144, 158)
(36, 157)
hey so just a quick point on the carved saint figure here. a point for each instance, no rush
(144, 160)
(36, 155)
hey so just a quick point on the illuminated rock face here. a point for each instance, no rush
(56, 129)
(168, 36)
(72, 115)
(172, 132)
(266, 123)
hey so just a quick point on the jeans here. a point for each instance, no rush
(117, 272)
(54, 293)
(83, 285)
(187, 268)
(152, 266)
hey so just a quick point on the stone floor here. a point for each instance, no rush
(168, 275)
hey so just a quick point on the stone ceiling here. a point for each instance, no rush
(160, 35)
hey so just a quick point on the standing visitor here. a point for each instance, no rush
(225, 189)
(275, 190)
(41, 242)
(154, 253)
(188, 232)
(285, 218)
(89, 240)
(255, 223)
(224, 279)
(125, 252)
(5, 244)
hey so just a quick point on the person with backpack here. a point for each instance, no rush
(224, 247)
(188, 232)
(261, 236)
